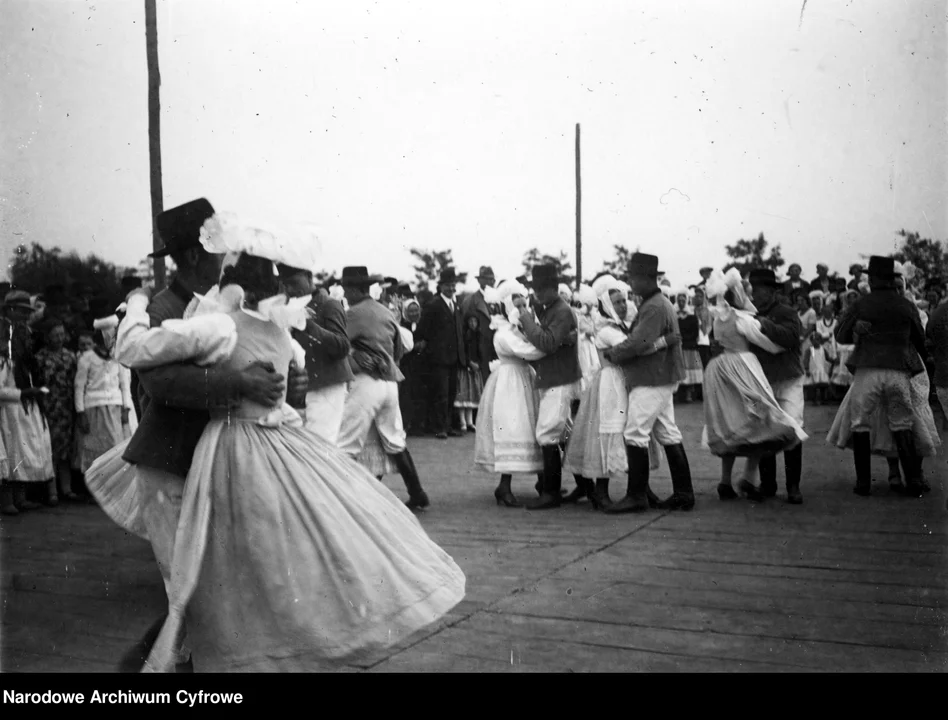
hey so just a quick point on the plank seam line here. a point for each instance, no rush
(709, 631)
(519, 589)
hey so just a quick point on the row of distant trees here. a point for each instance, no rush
(36, 267)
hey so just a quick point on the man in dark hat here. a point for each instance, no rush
(441, 345)
(781, 324)
(652, 362)
(552, 331)
(475, 306)
(326, 343)
(176, 399)
(887, 356)
(373, 394)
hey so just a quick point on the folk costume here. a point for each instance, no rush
(784, 371)
(652, 378)
(552, 330)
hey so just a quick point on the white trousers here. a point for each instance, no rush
(163, 493)
(651, 410)
(553, 414)
(371, 402)
(324, 408)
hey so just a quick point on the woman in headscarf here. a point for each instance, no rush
(505, 442)
(596, 447)
(411, 391)
(742, 417)
(23, 421)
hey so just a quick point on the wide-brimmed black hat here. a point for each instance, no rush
(448, 275)
(763, 277)
(643, 264)
(403, 290)
(486, 273)
(544, 276)
(180, 227)
(358, 275)
(130, 282)
(17, 299)
(881, 267)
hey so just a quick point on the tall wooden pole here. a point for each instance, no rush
(154, 131)
(579, 224)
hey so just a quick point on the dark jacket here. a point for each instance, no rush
(830, 285)
(553, 332)
(895, 339)
(326, 344)
(176, 399)
(474, 305)
(688, 327)
(780, 324)
(442, 332)
(656, 319)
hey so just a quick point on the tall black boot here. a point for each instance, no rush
(911, 464)
(600, 494)
(417, 498)
(636, 498)
(862, 459)
(584, 489)
(552, 480)
(768, 475)
(793, 464)
(683, 495)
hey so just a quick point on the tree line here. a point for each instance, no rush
(35, 267)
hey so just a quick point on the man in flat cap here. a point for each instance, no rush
(652, 362)
(887, 355)
(784, 371)
(475, 306)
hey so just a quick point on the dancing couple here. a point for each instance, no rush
(312, 562)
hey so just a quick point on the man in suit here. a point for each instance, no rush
(652, 372)
(795, 284)
(327, 354)
(176, 399)
(552, 331)
(442, 346)
(886, 358)
(784, 371)
(823, 282)
(475, 306)
(373, 396)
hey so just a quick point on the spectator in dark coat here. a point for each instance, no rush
(442, 346)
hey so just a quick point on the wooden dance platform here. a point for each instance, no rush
(841, 583)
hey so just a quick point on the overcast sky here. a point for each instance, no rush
(445, 124)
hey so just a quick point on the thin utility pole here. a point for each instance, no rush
(154, 132)
(579, 224)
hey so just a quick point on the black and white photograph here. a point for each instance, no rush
(524, 336)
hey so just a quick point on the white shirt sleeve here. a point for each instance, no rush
(512, 342)
(203, 339)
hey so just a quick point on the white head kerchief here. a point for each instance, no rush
(719, 283)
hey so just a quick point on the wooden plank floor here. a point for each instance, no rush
(842, 583)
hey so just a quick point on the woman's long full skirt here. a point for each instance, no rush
(740, 412)
(291, 557)
(27, 442)
(506, 422)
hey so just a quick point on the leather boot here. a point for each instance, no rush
(683, 494)
(503, 493)
(6, 500)
(793, 463)
(862, 459)
(584, 489)
(600, 495)
(552, 480)
(911, 464)
(768, 476)
(20, 499)
(636, 497)
(417, 498)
